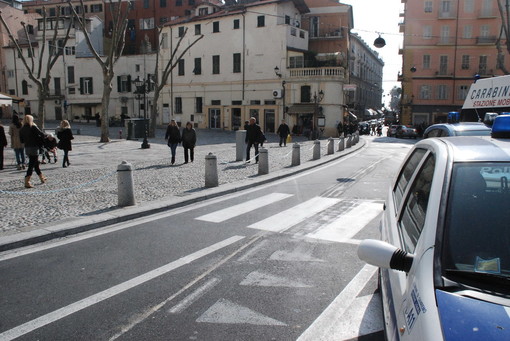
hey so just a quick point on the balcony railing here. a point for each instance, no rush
(486, 40)
(447, 14)
(335, 71)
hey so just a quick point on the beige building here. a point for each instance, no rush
(447, 43)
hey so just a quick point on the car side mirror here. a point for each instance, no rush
(384, 255)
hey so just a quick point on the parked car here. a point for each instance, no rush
(406, 131)
(392, 130)
(457, 129)
(444, 253)
(364, 128)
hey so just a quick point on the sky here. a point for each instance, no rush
(372, 17)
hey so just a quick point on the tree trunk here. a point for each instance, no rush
(105, 117)
(40, 107)
(154, 115)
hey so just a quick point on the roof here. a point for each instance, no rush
(474, 148)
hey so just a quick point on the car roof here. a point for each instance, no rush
(471, 148)
(461, 126)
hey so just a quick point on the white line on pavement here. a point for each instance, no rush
(195, 295)
(245, 207)
(115, 290)
(323, 328)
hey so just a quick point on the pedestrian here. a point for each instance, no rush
(173, 135)
(253, 137)
(32, 138)
(16, 144)
(65, 135)
(283, 131)
(50, 146)
(189, 139)
(3, 144)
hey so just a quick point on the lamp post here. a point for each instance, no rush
(143, 88)
(279, 74)
(317, 98)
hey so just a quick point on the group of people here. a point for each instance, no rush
(27, 139)
(188, 138)
(255, 136)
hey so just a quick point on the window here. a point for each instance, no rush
(53, 12)
(70, 50)
(24, 87)
(469, 6)
(181, 31)
(426, 61)
(197, 70)
(427, 32)
(237, 63)
(70, 74)
(96, 8)
(287, 20)
(163, 20)
(66, 10)
(178, 3)
(405, 176)
(314, 27)
(445, 34)
(164, 40)
(261, 21)
(442, 91)
(145, 3)
(215, 102)
(443, 65)
(216, 26)
(415, 207)
(198, 29)
(198, 104)
(178, 105)
(462, 92)
(468, 32)
(147, 24)
(236, 24)
(203, 11)
(305, 94)
(30, 28)
(86, 86)
(425, 91)
(427, 7)
(10, 73)
(482, 65)
(124, 83)
(484, 31)
(296, 62)
(487, 8)
(465, 62)
(216, 65)
(162, 3)
(137, 67)
(191, 2)
(445, 8)
(180, 67)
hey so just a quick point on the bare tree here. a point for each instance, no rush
(161, 79)
(119, 10)
(39, 70)
(503, 35)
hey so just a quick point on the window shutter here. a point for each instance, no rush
(119, 85)
(81, 86)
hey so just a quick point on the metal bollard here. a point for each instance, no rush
(240, 145)
(125, 185)
(263, 161)
(331, 146)
(78, 131)
(316, 150)
(296, 154)
(120, 134)
(348, 144)
(341, 144)
(355, 138)
(211, 171)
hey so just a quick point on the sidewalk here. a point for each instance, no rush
(84, 195)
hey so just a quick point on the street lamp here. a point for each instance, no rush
(142, 87)
(279, 74)
(317, 98)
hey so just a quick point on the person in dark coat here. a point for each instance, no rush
(253, 137)
(283, 131)
(173, 135)
(189, 140)
(16, 144)
(65, 135)
(3, 144)
(32, 138)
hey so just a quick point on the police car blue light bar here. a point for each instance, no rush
(501, 127)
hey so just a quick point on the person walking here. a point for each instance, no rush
(32, 138)
(253, 137)
(283, 131)
(173, 135)
(189, 139)
(65, 135)
(3, 144)
(16, 144)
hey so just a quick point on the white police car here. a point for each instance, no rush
(444, 256)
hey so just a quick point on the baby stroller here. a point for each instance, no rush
(49, 146)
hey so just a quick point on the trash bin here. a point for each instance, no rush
(136, 127)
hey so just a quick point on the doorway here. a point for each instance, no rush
(214, 118)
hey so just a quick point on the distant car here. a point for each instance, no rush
(406, 131)
(444, 253)
(364, 128)
(457, 129)
(392, 130)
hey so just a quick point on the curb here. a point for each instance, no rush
(123, 214)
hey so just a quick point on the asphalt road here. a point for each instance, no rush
(277, 262)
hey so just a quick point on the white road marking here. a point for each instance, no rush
(261, 279)
(245, 207)
(227, 312)
(251, 252)
(300, 254)
(115, 290)
(349, 224)
(288, 218)
(364, 316)
(323, 328)
(195, 295)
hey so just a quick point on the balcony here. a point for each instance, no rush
(487, 13)
(490, 40)
(447, 14)
(330, 34)
(333, 72)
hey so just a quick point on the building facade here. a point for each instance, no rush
(447, 43)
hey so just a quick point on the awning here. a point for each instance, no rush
(5, 100)
(13, 98)
(302, 109)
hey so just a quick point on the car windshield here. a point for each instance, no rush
(484, 132)
(477, 229)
